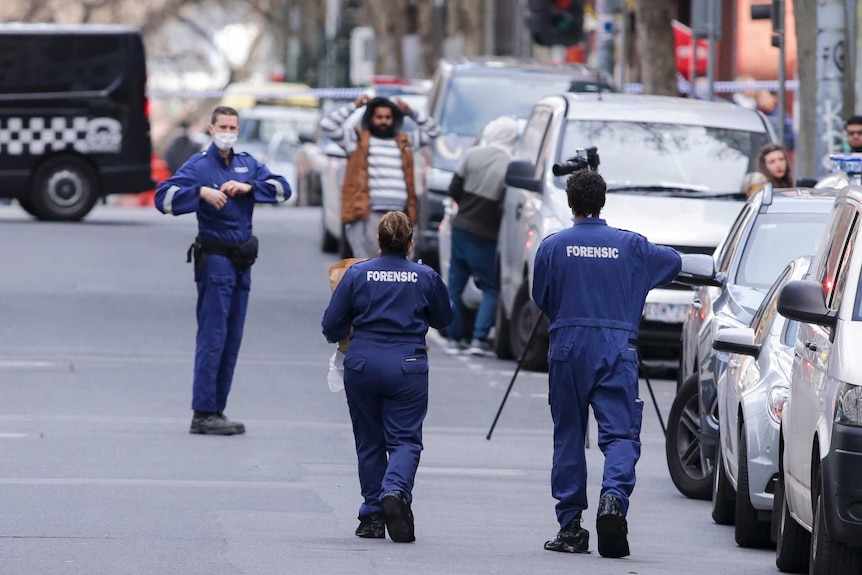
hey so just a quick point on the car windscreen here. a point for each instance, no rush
(775, 239)
(473, 101)
(665, 155)
(263, 129)
(286, 151)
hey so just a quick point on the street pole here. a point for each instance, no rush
(782, 70)
(710, 62)
(622, 23)
(605, 36)
(830, 79)
(693, 64)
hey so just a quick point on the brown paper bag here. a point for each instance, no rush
(336, 272)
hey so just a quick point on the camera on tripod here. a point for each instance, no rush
(584, 159)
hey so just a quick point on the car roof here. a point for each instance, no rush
(54, 28)
(277, 112)
(497, 65)
(661, 109)
(795, 200)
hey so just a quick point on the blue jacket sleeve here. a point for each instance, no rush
(338, 316)
(664, 265)
(180, 194)
(540, 279)
(441, 308)
(269, 188)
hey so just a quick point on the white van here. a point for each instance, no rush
(818, 498)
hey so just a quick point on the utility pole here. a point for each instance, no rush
(831, 51)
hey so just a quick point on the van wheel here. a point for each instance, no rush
(524, 315)
(829, 556)
(27, 206)
(689, 470)
(64, 189)
(792, 541)
(723, 497)
(750, 531)
(503, 334)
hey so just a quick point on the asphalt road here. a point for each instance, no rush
(99, 474)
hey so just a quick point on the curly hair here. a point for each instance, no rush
(395, 233)
(586, 190)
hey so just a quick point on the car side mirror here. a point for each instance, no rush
(699, 270)
(306, 138)
(802, 300)
(736, 340)
(333, 150)
(521, 174)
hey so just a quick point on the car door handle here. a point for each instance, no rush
(696, 303)
(811, 345)
(519, 211)
(733, 363)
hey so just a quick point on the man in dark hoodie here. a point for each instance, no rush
(379, 177)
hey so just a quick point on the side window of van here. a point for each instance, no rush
(534, 135)
(728, 247)
(832, 272)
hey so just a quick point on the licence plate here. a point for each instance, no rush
(665, 312)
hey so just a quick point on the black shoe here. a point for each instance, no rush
(212, 424)
(612, 528)
(371, 526)
(398, 517)
(240, 427)
(570, 539)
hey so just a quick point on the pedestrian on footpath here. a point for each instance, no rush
(390, 302)
(853, 132)
(379, 175)
(478, 186)
(221, 188)
(591, 280)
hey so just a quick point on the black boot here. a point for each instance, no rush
(205, 423)
(612, 528)
(398, 517)
(570, 539)
(240, 427)
(371, 526)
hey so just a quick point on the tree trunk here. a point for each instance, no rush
(655, 45)
(389, 23)
(466, 18)
(805, 13)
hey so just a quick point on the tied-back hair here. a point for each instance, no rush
(223, 111)
(395, 233)
(586, 192)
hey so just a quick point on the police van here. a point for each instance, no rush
(74, 122)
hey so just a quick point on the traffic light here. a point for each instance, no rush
(556, 22)
(774, 12)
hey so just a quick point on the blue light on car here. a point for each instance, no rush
(850, 164)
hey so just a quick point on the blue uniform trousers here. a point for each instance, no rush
(387, 392)
(472, 255)
(595, 367)
(222, 303)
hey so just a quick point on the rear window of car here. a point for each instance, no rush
(775, 239)
(666, 154)
(473, 101)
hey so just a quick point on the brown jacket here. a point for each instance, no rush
(355, 199)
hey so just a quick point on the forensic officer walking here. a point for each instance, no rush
(390, 302)
(591, 280)
(221, 187)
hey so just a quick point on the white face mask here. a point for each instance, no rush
(224, 140)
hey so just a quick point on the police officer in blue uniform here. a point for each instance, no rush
(390, 302)
(221, 187)
(591, 280)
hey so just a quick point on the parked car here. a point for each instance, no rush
(673, 169)
(752, 393)
(331, 227)
(258, 125)
(819, 492)
(280, 158)
(773, 227)
(468, 93)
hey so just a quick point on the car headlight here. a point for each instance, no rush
(776, 399)
(849, 408)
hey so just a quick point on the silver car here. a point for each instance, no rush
(752, 393)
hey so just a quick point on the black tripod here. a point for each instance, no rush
(643, 371)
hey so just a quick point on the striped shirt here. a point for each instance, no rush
(386, 186)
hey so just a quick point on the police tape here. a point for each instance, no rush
(683, 86)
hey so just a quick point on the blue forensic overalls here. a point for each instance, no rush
(591, 280)
(390, 302)
(222, 290)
